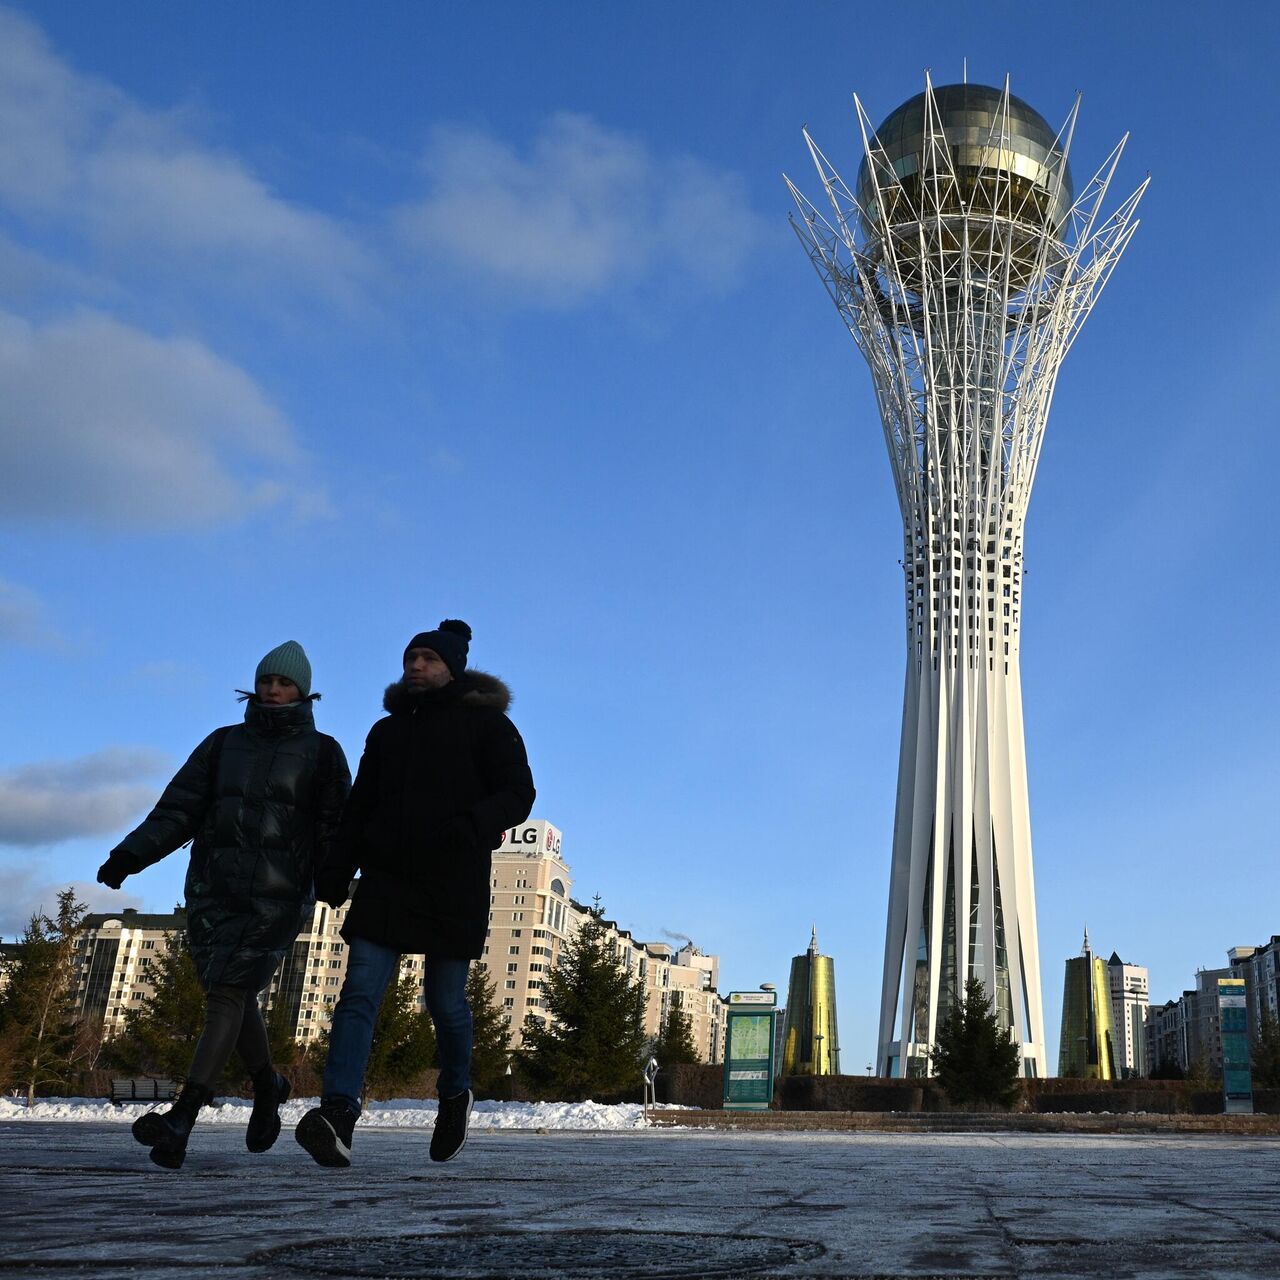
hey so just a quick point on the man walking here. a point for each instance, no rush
(443, 775)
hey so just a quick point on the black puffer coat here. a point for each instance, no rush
(260, 828)
(441, 778)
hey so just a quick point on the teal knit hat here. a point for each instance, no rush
(290, 661)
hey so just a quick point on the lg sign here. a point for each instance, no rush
(529, 837)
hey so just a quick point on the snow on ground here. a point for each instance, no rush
(399, 1113)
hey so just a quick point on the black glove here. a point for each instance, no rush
(118, 865)
(333, 889)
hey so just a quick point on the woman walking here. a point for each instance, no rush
(261, 801)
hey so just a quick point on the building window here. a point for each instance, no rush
(510, 984)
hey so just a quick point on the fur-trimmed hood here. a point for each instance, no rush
(471, 689)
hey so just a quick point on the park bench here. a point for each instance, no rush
(143, 1089)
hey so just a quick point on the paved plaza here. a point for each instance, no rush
(82, 1199)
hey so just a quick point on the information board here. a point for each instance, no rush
(1233, 1026)
(748, 1055)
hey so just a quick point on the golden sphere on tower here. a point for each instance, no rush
(1022, 177)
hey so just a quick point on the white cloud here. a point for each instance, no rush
(104, 425)
(77, 149)
(98, 794)
(23, 619)
(586, 210)
(23, 893)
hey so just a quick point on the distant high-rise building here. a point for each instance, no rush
(1184, 1033)
(810, 1040)
(115, 952)
(1128, 1015)
(1260, 969)
(532, 916)
(1086, 1048)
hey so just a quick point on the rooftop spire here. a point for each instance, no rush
(813, 942)
(1086, 949)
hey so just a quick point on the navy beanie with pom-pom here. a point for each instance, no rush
(449, 640)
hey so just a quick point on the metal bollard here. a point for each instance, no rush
(650, 1098)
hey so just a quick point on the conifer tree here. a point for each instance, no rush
(491, 1037)
(280, 1020)
(404, 1040)
(1264, 1051)
(160, 1032)
(675, 1043)
(38, 1019)
(976, 1060)
(1201, 1076)
(592, 1044)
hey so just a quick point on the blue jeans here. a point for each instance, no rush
(370, 970)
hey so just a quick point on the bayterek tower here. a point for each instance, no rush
(964, 264)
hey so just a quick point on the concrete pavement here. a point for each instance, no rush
(82, 1199)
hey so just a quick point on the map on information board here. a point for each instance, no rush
(752, 1036)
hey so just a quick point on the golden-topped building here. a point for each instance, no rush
(1086, 1048)
(810, 1039)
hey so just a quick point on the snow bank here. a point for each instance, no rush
(399, 1113)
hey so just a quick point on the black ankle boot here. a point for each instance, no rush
(270, 1092)
(166, 1132)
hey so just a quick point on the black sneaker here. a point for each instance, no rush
(450, 1134)
(325, 1133)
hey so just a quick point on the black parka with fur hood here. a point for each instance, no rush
(443, 775)
(261, 801)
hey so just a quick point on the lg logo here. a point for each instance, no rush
(528, 837)
(520, 835)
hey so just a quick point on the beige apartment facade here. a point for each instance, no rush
(115, 954)
(531, 917)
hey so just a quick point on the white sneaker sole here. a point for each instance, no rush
(466, 1125)
(318, 1138)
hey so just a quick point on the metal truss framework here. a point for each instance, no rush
(964, 299)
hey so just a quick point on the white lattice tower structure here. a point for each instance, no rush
(964, 267)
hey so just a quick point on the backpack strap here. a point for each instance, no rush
(219, 736)
(326, 756)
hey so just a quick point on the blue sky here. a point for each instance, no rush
(327, 323)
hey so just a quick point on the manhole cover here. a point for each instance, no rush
(519, 1255)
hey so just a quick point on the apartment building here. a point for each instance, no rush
(1185, 1032)
(1129, 999)
(686, 978)
(8, 959)
(1260, 969)
(531, 916)
(530, 919)
(114, 957)
(310, 977)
